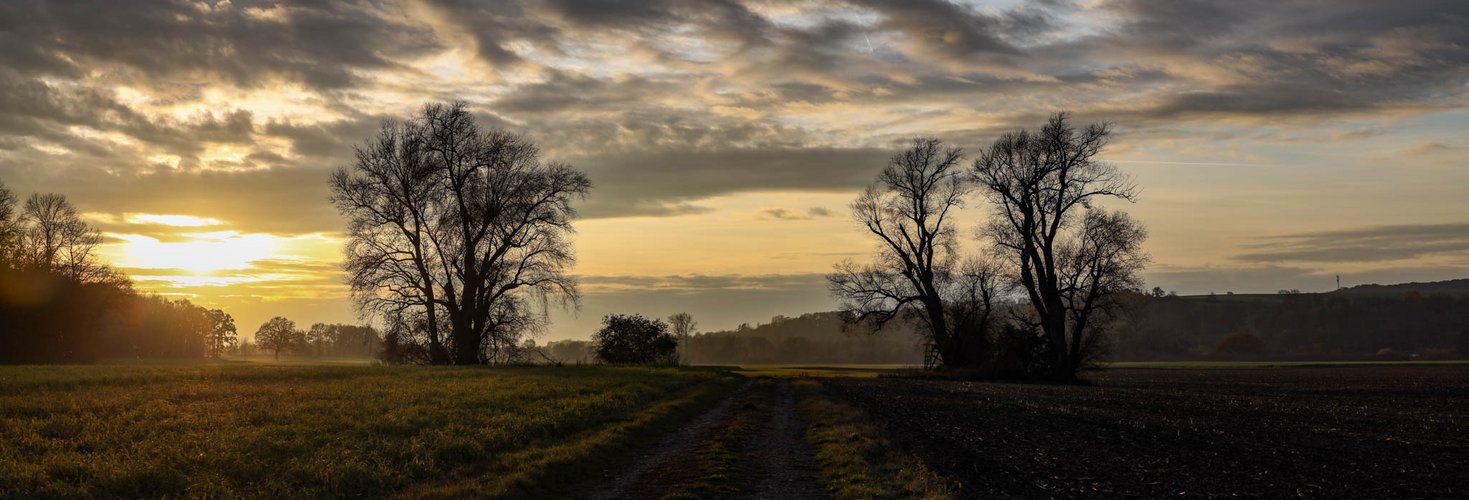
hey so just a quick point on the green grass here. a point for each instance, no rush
(855, 460)
(1270, 364)
(311, 431)
(820, 371)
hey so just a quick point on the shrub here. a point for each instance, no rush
(635, 339)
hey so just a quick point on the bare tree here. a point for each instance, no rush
(54, 237)
(459, 233)
(683, 326)
(10, 229)
(1069, 255)
(916, 274)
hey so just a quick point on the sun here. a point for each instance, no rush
(196, 253)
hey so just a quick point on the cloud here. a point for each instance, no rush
(1428, 148)
(788, 214)
(717, 302)
(1370, 244)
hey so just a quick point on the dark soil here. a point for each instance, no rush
(1339, 432)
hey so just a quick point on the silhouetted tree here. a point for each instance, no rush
(54, 237)
(634, 339)
(1070, 256)
(683, 325)
(917, 273)
(222, 333)
(460, 231)
(279, 334)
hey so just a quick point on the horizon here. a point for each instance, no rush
(1276, 148)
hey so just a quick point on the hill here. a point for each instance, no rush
(1448, 287)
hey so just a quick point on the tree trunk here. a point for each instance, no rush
(466, 343)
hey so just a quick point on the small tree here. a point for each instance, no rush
(277, 335)
(635, 339)
(683, 326)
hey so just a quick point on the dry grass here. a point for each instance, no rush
(856, 461)
(298, 431)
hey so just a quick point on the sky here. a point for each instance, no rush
(1277, 143)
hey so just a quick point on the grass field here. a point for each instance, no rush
(303, 431)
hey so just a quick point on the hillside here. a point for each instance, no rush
(1449, 287)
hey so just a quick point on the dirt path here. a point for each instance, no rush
(755, 428)
(618, 481)
(787, 461)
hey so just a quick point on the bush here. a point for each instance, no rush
(633, 339)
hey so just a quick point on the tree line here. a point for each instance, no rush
(60, 304)
(1341, 325)
(281, 335)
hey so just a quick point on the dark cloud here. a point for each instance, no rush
(644, 123)
(1372, 244)
(317, 43)
(788, 214)
(279, 200)
(668, 183)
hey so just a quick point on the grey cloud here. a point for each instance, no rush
(643, 135)
(1371, 244)
(280, 200)
(244, 42)
(718, 302)
(632, 183)
(789, 214)
(783, 214)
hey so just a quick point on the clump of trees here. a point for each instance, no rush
(60, 304)
(458, 236)
(1053, 259)
(634, 339)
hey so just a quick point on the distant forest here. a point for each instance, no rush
(60, 304)
(810, 338)
(1370, 322)
(1415, 320)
